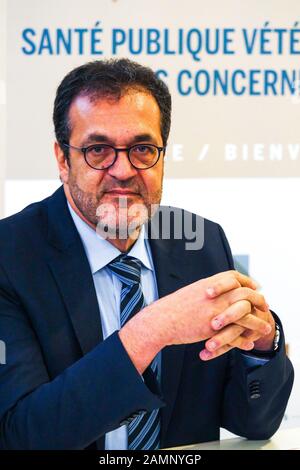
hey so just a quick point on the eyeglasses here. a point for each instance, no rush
(102, 156)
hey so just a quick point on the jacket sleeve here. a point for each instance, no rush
(90, 398)
(255, 399)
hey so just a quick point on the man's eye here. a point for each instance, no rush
(142, 148)
(97, 149)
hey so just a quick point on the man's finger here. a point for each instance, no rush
(252, 322)
(223, 282)
(206, 355)
(232, 314)
(242, 293)
(226, 336)
(243, 343)
(222, 286)
(248, 336)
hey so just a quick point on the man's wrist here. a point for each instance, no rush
(142, 339)
(266, 343)
(268, 353)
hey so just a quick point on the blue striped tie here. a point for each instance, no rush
(144, 430)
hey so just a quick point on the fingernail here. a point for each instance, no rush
(210, 291)
(250, 345)
(211, 345)
(267, 308)
(216, 323)
(204, 354)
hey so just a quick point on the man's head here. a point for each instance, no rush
(118, 103)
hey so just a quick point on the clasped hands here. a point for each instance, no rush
(224, 310)
(246, 323)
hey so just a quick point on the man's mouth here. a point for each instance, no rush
(122, 192)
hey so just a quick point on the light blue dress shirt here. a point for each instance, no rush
(108, 289)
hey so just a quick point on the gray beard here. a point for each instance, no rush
(88, 205)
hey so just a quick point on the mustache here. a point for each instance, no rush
(135, 188)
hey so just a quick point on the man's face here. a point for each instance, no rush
(101, 196)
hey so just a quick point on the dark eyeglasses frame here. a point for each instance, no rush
(117, 150)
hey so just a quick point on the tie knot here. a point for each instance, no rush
(127, 269)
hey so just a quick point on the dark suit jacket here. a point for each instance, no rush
(63, 387)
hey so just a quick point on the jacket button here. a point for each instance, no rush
(254, 389)
(254, 396)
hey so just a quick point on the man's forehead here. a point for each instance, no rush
(135, 100)
(138, 111)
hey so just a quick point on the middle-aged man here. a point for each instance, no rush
(118, 334)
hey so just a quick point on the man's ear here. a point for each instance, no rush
(62, 163)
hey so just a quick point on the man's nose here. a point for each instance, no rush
(122, 168)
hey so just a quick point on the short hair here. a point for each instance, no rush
(108, 78)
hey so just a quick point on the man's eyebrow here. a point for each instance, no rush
(95, 137)
(144, 138)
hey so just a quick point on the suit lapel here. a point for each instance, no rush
(74, 280)
(70, 268)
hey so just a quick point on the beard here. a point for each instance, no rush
(118, 217)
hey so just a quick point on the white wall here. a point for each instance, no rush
(2, 100)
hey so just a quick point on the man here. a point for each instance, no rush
(115, 340)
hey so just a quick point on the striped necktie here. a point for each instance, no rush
(144, 430)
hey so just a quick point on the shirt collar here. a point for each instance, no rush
(100, 252)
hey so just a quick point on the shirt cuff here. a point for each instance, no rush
(252, 361)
